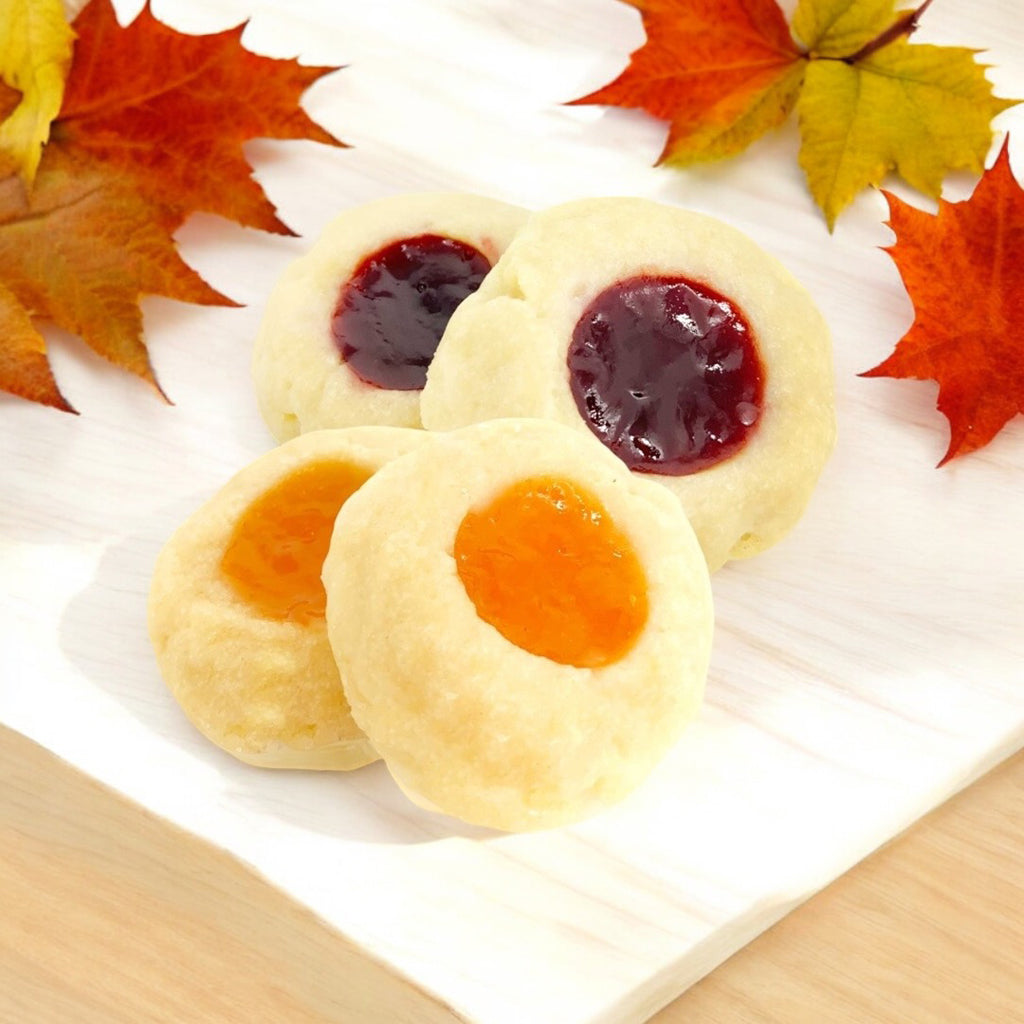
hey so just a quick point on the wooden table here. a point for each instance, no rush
(112, 916)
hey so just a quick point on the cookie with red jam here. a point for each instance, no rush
(351, 327)
(672, 338)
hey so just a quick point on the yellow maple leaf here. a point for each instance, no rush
(722, 73)
(35, 55)
(839, 28)
(887, 105)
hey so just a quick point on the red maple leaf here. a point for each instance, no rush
(963, 270)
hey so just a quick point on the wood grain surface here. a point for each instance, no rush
(930, 930)
(112, 916)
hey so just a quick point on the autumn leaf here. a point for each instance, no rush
(24, 368)
(80, 251)
(962, 269)
(887, 105)
(868, 101)
(721, 72)
(169, 112)
(151, 129)
(35, 52)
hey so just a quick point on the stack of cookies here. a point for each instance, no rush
(513, 447)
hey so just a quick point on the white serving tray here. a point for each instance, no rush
(863, 670)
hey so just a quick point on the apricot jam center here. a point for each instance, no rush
(276, 553)
(546, 565)
(666, 373)
(392, 312)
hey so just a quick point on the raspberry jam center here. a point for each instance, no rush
(666, 373)
(545, 564)
(276, 553)
(392, 312)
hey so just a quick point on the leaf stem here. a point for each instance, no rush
(900, 27)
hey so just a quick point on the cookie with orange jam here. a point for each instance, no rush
(522, 626)
(672, 338)
(351, 327)
(236, 603)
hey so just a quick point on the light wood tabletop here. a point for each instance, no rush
(112, 916)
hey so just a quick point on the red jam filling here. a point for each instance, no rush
(666, 373)
(393, 310)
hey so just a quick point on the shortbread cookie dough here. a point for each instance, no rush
(673, 338)
(350, 328)
(236, 606)
(522, 626)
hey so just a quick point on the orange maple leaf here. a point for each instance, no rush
(869, 102)
(24, 368)
(172, 111)
(962, 269)
(80, 252)
(151, 129)
(721, 72)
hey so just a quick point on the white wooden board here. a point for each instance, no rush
(863, 670)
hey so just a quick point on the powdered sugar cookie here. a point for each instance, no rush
(350, 328)
(236, 604)
(523, 627)
(671, 337)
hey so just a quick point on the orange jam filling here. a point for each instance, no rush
(545, 564)
(278, 547)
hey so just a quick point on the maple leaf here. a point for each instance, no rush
(171, 112)
(24, 368)
(35, 52)
(151, 129)
(887, 104)
(80, 251)
(721, 72)
(868, 101)
(968, 305)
